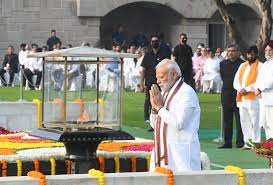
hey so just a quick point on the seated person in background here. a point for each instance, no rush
(211, 80)
(218, 54)
(10, 65)
(33, 66)
(135, 76)
(22, 56)
(44, 49)
(73, 72)
(128, 66)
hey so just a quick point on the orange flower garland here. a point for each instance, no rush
(101, 163)
(36, 165)
(133, 161)
(68, 166)
(37, 175)
(7, 151)
(167, 172)
(4, 168)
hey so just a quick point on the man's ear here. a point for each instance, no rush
(174, 74)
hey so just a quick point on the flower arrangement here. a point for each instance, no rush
(263, 149)
(20, 147)
(4, 131)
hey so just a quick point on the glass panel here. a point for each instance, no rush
(53, 93)
(90, 101)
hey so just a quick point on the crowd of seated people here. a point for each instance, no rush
(205, 64)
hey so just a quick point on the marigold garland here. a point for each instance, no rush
(39, 111)
(7, 151)
(37, 175)
(68, 166)
(99, 175)
(4, 168)
(133, 162)
(167, 172)
(148, 158)
(36, 165)
(53, 166)
(239, 171)
(117, 165)
(19, 167)
(27, 145)
(101, 163)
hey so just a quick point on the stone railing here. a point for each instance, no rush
(217, 177)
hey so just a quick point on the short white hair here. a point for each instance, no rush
(171, 65)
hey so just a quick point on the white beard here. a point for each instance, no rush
(167, 87)
(268, 57)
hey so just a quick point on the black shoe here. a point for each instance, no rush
(150, 129)
(225, 146)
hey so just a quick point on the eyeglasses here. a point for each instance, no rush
(154, 40)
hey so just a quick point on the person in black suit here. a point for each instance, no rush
(10, 65)
(228, 69)
(148, 73)
(182, 54)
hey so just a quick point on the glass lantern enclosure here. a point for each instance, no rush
(70, 103)
(82, 89)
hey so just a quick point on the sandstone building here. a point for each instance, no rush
(93, 21)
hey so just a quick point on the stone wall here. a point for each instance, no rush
(30, 21)
(22, 116)
(18, 116)
(252, 177)
(78, 21)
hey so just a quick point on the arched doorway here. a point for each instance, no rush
(246, 19)
(147, 17)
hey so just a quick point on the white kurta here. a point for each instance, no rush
(22, 56)
(182, 119)
(265, 84)
(212, 79)
(249, 109)
(129, 66)
(135, 77)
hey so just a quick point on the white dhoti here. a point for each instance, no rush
(250, 123)
(268, 124)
